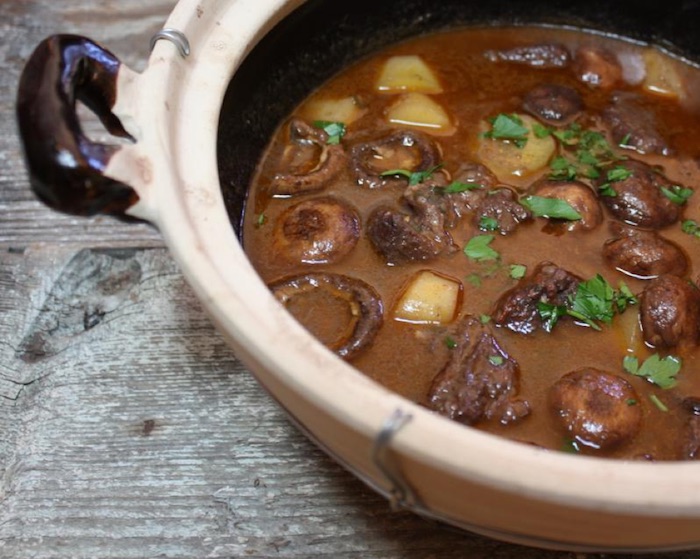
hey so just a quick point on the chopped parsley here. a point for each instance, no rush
(334, 130)
(456, 187)
(478, 249)
(658, 403)
(660, 371)
(616, 174)
(550, 314)
(508, 127)
(414, 177)
(518, 271)
(487, 223)
(562, 169)
(484, 319)
(261, 220)
(450, 343)
(677, 194)
(691, 227)
(589, 152)
(552, 208)
(474, 279)
(496, 360)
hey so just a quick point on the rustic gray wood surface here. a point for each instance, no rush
(127, 428)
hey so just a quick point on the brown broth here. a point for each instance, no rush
(406, 357)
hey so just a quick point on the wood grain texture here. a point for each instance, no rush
(128, 429)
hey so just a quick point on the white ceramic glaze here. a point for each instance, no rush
(470, 479)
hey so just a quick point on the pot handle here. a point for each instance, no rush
(66, 168)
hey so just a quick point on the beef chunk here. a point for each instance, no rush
(669, 311)
(501, 205)
(644, 254)
(594, 407)
(634, 126)
(480, 380)
(638, 199)
(553, 104)
(597, 67)
(538, 56)
(517, 309)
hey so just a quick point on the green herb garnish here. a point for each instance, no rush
(550, 314)
(496, 360)
(456, 187)
(691, 227)
(484, 319)
(518, 271)
(661, 371)
(450, 343)
(414, 177)
(334, 130)
(658, 403)
(552, 208)
(474, 279)
(487, 223)
(508, 127)
(677, 194)
(478, 248)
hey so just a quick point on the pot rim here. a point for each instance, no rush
(196, 228)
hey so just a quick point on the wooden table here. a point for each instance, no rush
(127, 427)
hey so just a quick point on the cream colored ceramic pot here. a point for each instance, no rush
(436, 467)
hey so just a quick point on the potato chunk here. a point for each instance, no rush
(417, 110)
(345, 110)
(506, 160)
(402, 74)
(429, 298)
(662, 77)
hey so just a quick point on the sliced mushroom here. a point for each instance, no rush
(600, 410)
(639, 198)
(364, 307)
(553, 104)
(669, 311)
(309, 163)
(644, 254)
(399, 150)
(316, 231)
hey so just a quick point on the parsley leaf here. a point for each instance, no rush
(335, 130)
(658, 403)
(552, 208)
(496, 360)
(677, 194)
(478, 248)
(487, 223)
(508, 127)
(661, 371)
(691, 227)
(562, 169)
(518, 271)
(414, 177)
(595, 300)
(456, 187)
(450, 343)
(550, 314)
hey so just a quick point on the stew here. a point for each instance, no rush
(501, 225)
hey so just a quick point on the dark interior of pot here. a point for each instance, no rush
(322, 36)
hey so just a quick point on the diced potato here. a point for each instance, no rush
(507, 160)
(662, 77)
(429, 298)
(345, 110)
(417, 110)
(402, 74)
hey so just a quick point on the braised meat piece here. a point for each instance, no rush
(538, 56)
(517, 309)
(669, 311)
(480, 380)
(634, 126)
(501, 206)
(597, 67)
(365, 310)
(316, 231)
(310, 163)
(691, 440)
(403, 150)
(553, 104)
(579, 196)
(639, 198)
(644, 254)
(597, 409)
